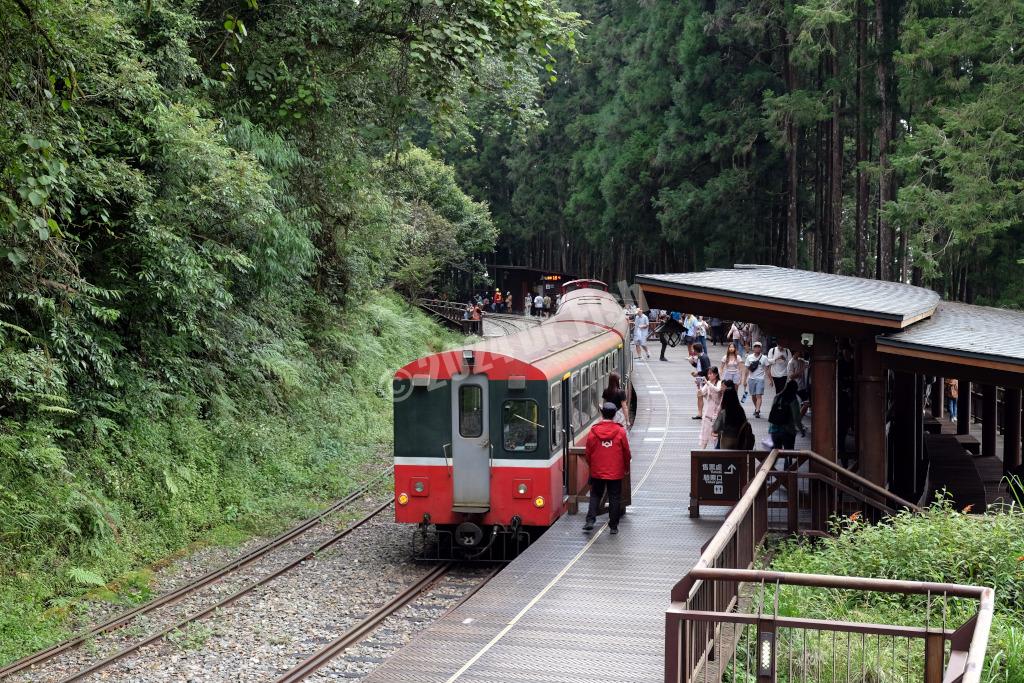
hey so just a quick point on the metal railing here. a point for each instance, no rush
(452, 312)
(724, 621)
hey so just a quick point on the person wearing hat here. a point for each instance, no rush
(754, 364)
(607, 454)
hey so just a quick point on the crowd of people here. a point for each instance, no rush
(533, 304)
(743, 371)
(723, 384)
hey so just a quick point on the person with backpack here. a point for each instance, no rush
(784, 417)
(731, 426)
(607, 454)
(735, 335)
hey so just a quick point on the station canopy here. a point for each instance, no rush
(912, 327)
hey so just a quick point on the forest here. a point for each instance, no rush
(214, 215)
(880, 138)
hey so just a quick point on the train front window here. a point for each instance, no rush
(471, 411)
(519, 425)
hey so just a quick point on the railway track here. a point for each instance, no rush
(191, 588)
(364, 628)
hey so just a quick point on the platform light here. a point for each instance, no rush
(521, 489)
(403, 498)
(538, 502)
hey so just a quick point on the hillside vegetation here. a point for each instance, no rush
(203, 207)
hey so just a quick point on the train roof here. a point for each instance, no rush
(588, 322)
(584, 314)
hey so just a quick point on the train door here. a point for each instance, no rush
(566, 427)
(471, 444)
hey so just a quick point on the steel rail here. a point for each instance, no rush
(360, 631)
(178, 594)
(120, 654)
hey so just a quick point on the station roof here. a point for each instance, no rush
(963, 334)
(802, 293)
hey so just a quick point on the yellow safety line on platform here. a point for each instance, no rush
(558, 577)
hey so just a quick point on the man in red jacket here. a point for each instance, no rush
(608, 457)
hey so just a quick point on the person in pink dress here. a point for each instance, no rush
(711, 390)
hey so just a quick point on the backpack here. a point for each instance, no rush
(779, 414)
(745, 438)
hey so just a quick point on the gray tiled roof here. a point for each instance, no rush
(965, 330)
(890, 301)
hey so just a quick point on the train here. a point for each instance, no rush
(482, 432)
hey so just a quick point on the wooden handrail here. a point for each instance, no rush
(681, 591)
(692, 590)
(842, 471)
(860, 583)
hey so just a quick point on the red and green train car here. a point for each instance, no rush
(482, 432)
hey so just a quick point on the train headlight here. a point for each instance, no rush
(521, 489)
(403, 498)
(419, 487)
(538, 501)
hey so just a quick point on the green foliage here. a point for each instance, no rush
(300, 423)
(203, 206)
(941, 545)
(668, 140)
(964, 159)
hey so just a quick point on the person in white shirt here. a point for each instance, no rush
(779, 358)
(527, 305)
(538, 306)
(641, 326)
(754, 363)
(702, 333)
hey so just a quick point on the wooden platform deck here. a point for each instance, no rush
(587, 607)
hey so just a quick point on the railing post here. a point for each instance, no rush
(792, 500)
(674, 649)
(766, 651)
(934, 656)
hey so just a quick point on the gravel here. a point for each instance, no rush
(277, 625)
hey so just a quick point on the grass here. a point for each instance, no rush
(93, 518)
(941, 545)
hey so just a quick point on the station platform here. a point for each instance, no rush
(581, 606)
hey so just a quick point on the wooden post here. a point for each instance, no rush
(871, 412)
(939, 397)
(903, 434)
(1011, 435)
(823, 401)
(988, 420)
(963, 407)
(934, 653)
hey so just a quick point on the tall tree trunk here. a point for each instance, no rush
(793, 169)
(883, 20)
(861, 230)
(821, 206)
(836, 171)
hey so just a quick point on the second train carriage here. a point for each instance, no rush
(482, 432)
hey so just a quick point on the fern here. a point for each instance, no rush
(85, 577)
